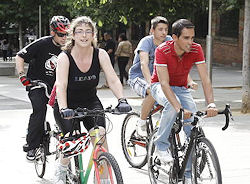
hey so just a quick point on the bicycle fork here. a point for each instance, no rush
(187, 149)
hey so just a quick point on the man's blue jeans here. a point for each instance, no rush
(169, 114)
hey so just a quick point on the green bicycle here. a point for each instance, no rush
(103, 161)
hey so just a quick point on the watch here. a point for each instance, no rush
(211, 105)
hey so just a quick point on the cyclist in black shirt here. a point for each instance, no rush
(41, 55)
(77, 77)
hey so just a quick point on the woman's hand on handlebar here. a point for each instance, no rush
(67, 113)
(123, 106)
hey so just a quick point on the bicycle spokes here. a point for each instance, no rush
(206, 167)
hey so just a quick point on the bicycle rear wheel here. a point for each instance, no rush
(205, 163)
(134, 147)
(107, 163)
(157, 172)
(40, 160)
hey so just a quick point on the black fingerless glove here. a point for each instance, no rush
(123, 106)
(67, 113)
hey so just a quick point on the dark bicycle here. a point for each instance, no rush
(205, 162)
(43, 150)
(133, 145)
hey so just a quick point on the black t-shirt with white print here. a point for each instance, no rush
(42, 58)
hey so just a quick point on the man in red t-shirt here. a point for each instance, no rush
(173, 62)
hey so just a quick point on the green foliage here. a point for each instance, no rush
(227, 5)
(27, 11)
(109, 13)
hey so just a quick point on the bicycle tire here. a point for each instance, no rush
(205, 163)
(157, 173)
(106, 159)
(40, 161)
(73, 176)
(133, 146)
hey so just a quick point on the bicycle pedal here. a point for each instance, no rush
(157, 161)
(48, 153)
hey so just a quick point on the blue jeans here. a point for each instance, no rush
(169, 114)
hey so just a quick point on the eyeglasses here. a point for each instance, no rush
(81, 32)
(61, 34)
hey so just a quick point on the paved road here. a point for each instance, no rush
(232, 146)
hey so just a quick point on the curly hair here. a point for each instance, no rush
(74, 24)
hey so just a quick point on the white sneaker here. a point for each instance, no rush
(164, 156)
(102, 181)
(105, 181)
(141, 128)
(60, 174)
(187, 181)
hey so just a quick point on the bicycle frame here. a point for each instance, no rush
(193, 137)
(97, 147)
(150, 128)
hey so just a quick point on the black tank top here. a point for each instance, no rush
(82, 85)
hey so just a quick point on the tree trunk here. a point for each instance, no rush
(129, 31)
(147, 28)
(20, 35)
(245, 66)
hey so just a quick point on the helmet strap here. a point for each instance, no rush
(54, 41)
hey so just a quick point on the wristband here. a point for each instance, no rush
(211, 105)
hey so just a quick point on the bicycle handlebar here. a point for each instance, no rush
(40, 84)
(83, 112)
(227, 112)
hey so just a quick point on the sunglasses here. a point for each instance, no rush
(62, 34)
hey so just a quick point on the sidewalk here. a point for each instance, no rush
(15, 109)
(227, 87)
(226, 81)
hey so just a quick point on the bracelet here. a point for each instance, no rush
(211, 105)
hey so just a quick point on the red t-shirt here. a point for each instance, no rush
(178, 68)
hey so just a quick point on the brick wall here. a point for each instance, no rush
(226, 50)
(223, 52)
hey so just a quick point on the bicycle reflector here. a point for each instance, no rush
(72, 146)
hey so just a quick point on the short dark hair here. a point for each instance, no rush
(123, 36)
(108, 33)
(179, 25)
(159, 19)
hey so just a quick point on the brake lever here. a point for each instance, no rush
(227, 113)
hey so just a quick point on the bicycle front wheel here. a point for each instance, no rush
(134, 147)
(205, 163)
(40, 161)
(109, 168)
(73, 173)
(158, 173)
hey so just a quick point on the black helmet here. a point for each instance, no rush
(59, 23)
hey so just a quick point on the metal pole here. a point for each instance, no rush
(209, 42)
(40, 21)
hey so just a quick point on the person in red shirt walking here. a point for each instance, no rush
(173, 62)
